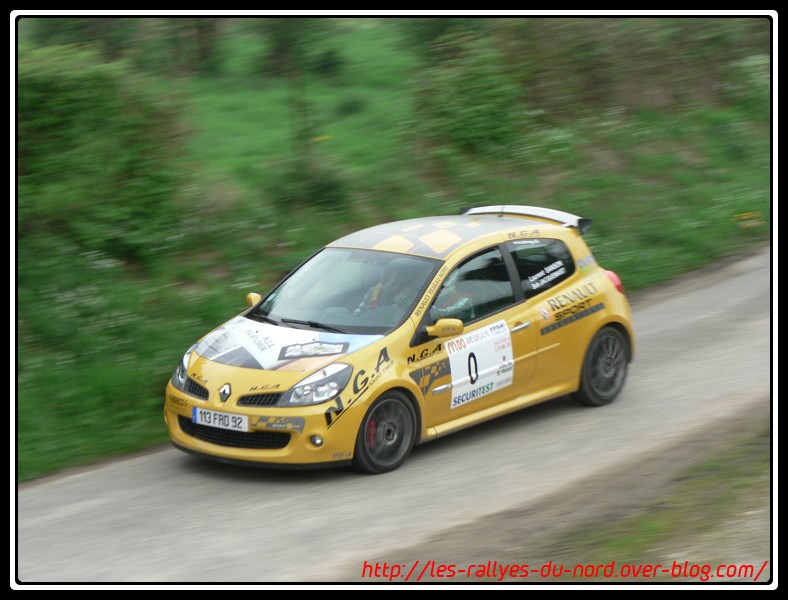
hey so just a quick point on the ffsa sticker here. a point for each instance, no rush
(481, 362)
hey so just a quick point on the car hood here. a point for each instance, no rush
(242, 342)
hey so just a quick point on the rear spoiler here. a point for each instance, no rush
(564, 218)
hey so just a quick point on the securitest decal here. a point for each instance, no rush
(572, 306)
(481, 362)
(242, 342)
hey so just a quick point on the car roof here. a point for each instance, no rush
(441, 236)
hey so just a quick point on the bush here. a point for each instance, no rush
(298, 182)
(469, 100)
(98, 153)
(751, 86)
(328, 63)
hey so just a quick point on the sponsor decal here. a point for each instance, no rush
(571, 306)
(312, 349)
(261, 388)
(425, 353)
(289, 423)
(362, 380)
(577, 312)
(431, 291)
(585, 262)
(362, 383)
(198, 378)
(426, 376)
(582, 292)
(261, 343)
(472, 394)
(177, 401)
(481, 362)
(513, 235)
(241, 342)
(548, 274)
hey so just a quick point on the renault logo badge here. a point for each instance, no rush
(225, 392)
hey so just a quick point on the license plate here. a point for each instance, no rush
(220, 420)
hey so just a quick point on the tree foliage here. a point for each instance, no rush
(112, 35)
(296, 45)
(169, 45)
(98, 153)
(571, 65)
(469, 99)
(426, 35)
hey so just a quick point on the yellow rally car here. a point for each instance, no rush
(402, 333)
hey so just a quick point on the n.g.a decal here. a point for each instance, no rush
(424, 353)
(362, 380)
(361, 383)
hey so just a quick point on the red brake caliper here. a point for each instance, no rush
(372, 430)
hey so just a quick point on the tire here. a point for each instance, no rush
(386, 435)
(605, 368)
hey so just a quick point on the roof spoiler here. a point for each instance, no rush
(564, 218)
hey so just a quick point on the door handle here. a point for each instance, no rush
(521, 326)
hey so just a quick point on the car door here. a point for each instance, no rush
(492, 360)
(561, 296)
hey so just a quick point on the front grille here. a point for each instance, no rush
(258, 440)
(259, 400)
(195, 389)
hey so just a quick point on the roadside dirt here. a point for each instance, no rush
(544, 533)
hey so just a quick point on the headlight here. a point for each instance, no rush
(319, 387)
(179, 376)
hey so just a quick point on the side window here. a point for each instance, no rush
(541, 263)
(476, 288)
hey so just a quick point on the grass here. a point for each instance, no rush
(97, 338)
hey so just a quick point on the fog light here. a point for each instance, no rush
(316, 440)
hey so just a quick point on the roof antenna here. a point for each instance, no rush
(505, 192)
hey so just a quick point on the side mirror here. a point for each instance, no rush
(446, 328)
(253, 298)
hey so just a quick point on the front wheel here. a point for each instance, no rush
(386, 435)
(605, 368)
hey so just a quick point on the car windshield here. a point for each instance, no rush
(348, 290)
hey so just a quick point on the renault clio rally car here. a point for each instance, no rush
(403, 333)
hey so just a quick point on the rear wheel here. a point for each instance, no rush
(386, 435)
(605, 368)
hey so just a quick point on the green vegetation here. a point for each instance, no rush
(166, 167)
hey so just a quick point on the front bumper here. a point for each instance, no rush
(276, 436)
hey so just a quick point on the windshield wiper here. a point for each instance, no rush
(314, 325)
(258, 317)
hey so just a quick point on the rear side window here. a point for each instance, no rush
(541, 263)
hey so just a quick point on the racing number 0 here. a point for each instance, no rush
(473, 367)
